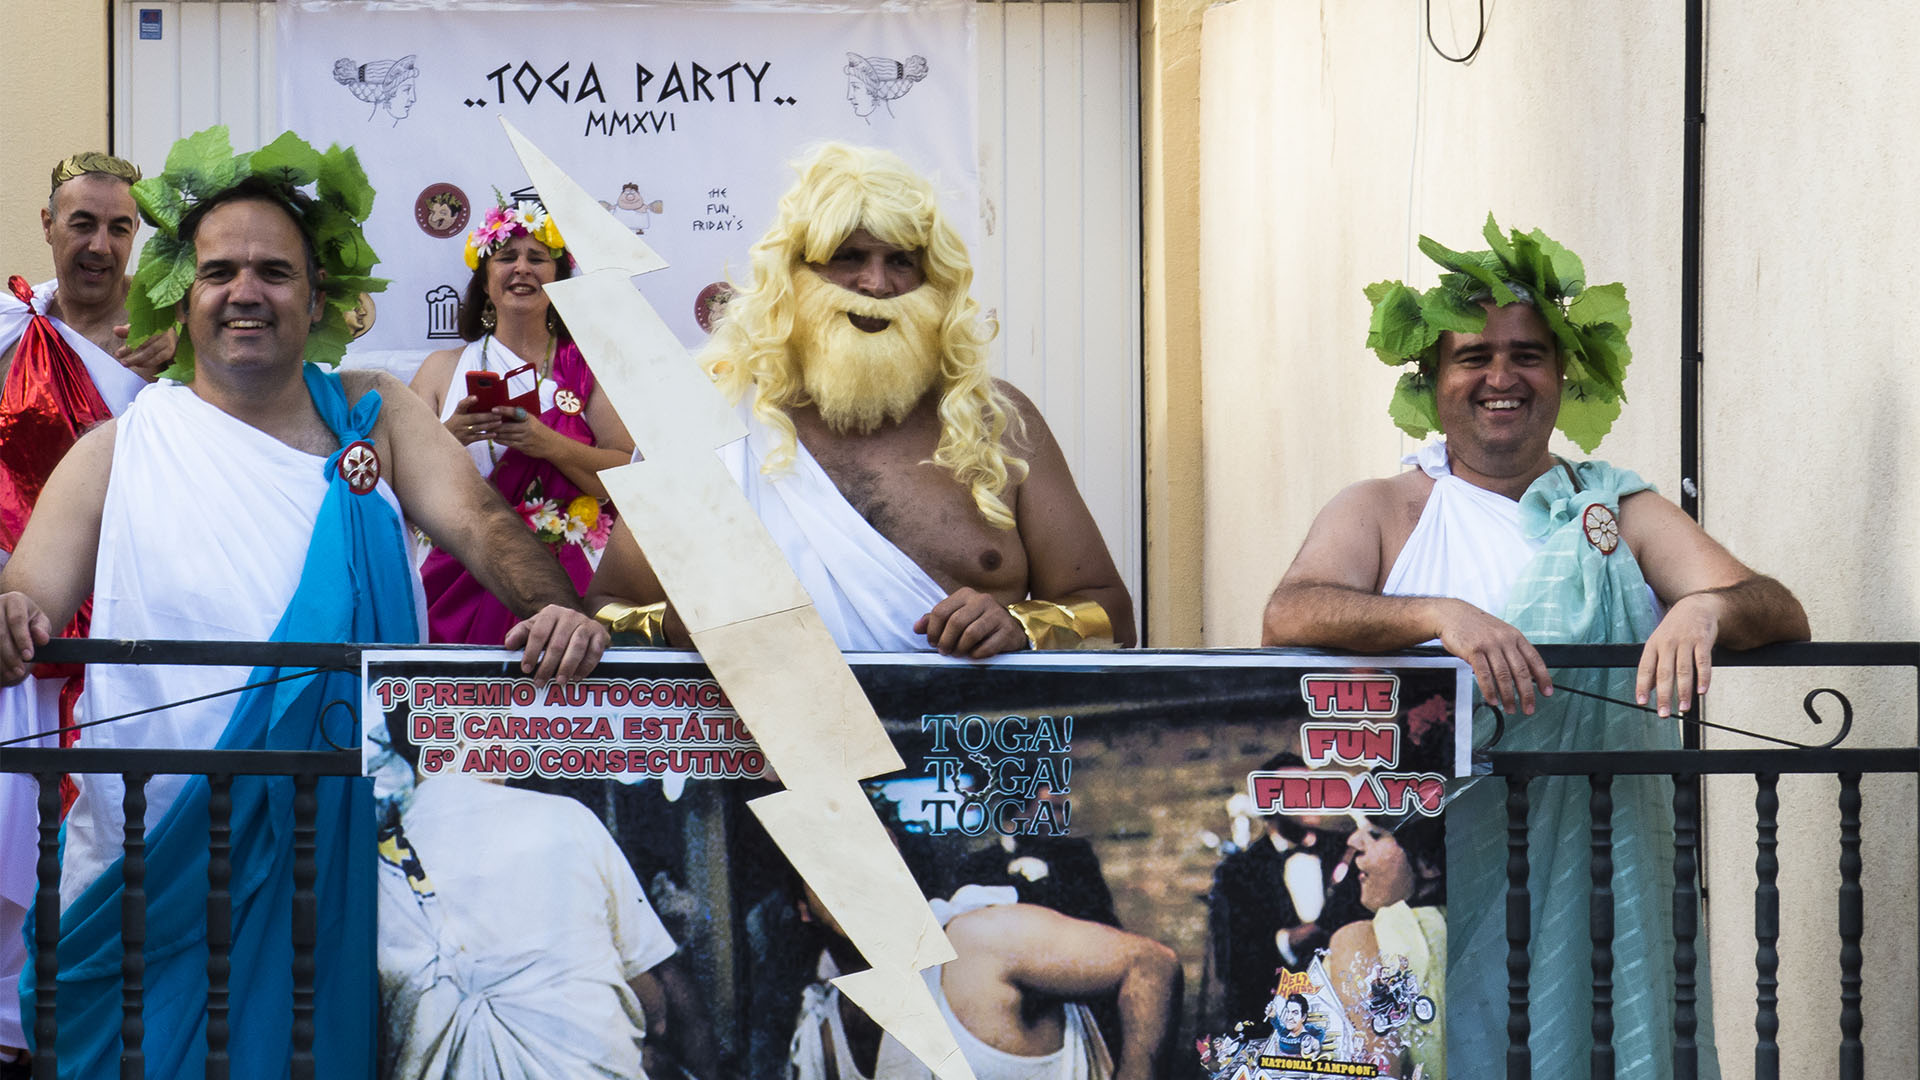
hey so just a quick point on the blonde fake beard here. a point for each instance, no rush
(858, 380)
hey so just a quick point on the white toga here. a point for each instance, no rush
(1468, 544)
(867, 591)
(203, 536)
(34, 705)
(511, 959)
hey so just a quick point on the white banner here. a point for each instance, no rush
(679, 116)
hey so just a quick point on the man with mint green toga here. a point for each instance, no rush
(1493, 544)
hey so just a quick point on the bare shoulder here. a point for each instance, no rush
(1355, 938)
(1382, 502)
(1647, 510)
(94, 449)
(1027, 430)
(1358, 534)
(357, 381)
(435, 371)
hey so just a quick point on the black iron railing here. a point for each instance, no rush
(1685, 767)
(136, 767)
(1518, 769)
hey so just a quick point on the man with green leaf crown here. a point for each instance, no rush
(249, 495)
(1493, 544)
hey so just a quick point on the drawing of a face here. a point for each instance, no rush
(630, 198)
(440, 217)
(861, 95)
(401, 103)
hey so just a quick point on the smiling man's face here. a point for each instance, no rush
(251, 305)
(866, 333)
(90, 227)
(1498, 392)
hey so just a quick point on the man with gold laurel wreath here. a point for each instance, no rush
(65, 368)
(1493, 544)
(922, 503)
(302, 478)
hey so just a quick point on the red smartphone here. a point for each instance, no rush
(487, 388)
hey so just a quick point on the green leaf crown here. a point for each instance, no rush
(1589, 323)
(204, 165)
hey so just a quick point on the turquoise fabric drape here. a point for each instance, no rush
(355, 585)
(1572, 593)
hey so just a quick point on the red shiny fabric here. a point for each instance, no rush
(48, 402)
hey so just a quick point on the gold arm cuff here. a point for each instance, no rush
(1069, 623)
(648, 621)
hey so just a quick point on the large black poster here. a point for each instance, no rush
(1172, 864)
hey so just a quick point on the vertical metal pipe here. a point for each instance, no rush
(1600, 918)
(1766, 929)
(1686, 917)
(1519, 931)
(133, 929)
(46, 931)
(306, 923)
(219, 920)
(1852, 924)
(1692, 182)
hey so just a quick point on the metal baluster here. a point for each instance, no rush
(1600, 803)
(219, 919)
(305, 923)
(1519, 929)
(133, 928)
(46, 930)
(1766, 929)
(1852, 923)
(1686, 917)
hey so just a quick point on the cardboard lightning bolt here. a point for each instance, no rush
(751, 620)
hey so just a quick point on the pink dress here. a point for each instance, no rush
(460, 610)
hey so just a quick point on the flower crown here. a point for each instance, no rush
(1589, 323)
(508, 220)
(204, 165)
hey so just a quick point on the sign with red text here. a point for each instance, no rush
(1254, 812)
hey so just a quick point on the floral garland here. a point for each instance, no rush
(580, 522)
(204, 165)
(506, 221)
(1589, 323)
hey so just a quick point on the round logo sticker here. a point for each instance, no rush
(441, 210)
(710, 303)
(1603, 529)
(567, 402)
(360, 466)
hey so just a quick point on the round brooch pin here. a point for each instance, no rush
(568, 402)
(360, 466)
(1603, 529)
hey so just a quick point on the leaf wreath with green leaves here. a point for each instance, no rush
(331, 215)
(1589, 323)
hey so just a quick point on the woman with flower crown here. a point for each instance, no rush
(545, 457)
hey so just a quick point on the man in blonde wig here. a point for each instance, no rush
(923, 503)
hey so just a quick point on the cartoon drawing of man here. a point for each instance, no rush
(633, 210)
(874, 81)
(382, 83)
(1292, 1035)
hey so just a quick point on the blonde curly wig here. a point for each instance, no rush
(842, 188)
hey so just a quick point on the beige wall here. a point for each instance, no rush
(53, 65)
(1170, 194)
(1332, 136)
